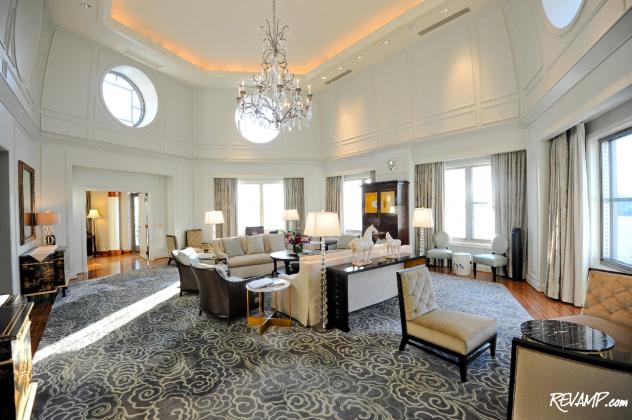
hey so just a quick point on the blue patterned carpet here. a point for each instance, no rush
(127, 346)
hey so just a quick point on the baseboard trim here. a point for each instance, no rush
(533, 282)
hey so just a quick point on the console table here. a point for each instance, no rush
(350, 287)
(43, 277)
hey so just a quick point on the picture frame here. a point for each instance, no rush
(26, 189)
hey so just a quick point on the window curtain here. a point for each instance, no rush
(568, 221)
(332, 200)
(295, 199)
(509, 189)
(225, 190)
(429, 193)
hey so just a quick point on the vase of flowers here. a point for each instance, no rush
(296, 238)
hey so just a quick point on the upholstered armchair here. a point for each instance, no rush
(459, 337)
(194, 239)
(183, 261)
(608, 307)
(498, 257)
(440, 251)
(172, 245)
(220, 295)
(539, 373)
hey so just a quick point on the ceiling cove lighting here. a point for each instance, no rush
(275, 100)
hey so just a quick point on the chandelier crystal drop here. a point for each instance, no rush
(274, 100)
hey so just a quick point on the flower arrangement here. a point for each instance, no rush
(296, 238)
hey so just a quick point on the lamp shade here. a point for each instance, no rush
(322, 223)
(289, 215)
(93, 214)
(214, 217)
(422, 218)
(48, 218)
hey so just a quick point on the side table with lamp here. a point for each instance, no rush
(47, 220)
(93, 214)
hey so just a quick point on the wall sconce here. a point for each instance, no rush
(390, 164)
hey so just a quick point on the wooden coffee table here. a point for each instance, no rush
(287, 257)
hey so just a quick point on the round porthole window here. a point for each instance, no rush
(255, 130)
(561, 13)
(130, 96)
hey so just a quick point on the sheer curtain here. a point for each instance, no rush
(568, 221)
(225, 191)
(509, 189)
(295, 199)
(429, 193)
(332, 200)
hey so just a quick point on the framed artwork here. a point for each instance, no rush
(370, 202)
(26, 188)
(387, 202)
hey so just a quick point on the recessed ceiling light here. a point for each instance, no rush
(323, 77)
(339, 68)
(359, 57)
(443, 10)
(412, 27)
(386, 42)
(85, 5)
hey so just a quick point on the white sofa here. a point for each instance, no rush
(305, 285)
(249, 265)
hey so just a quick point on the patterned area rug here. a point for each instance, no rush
(128, 346)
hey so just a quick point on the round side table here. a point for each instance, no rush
(461, 263)
(264, 319)
(568, 336)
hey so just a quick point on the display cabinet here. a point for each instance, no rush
(385, 206)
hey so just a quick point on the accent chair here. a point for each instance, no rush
(172, 245)
(608, 307)
(194, 239)
(254, 230)
(220, 295)
(539, 373)
(440, 251)
(183, 260)
(459, 337)
(498, 257)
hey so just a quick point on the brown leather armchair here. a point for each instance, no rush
(220, 295)
(187, 279)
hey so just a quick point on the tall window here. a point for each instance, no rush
(352, 203)
(469, 214)
(616, 199)
(260, 203)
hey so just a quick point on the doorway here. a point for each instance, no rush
(6, 274)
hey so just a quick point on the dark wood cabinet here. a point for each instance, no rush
(17, 392)
(46, 276)
(385, 206)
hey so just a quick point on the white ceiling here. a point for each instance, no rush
(216, 42)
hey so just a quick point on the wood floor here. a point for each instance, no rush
(537, 304)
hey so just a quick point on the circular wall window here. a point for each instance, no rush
(253, 129)
(561, 13)
(130, 96)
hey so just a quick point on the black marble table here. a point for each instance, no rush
(567, 335)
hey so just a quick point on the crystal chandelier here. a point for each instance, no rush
(274, 101)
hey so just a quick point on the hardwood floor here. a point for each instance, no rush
(537, 304)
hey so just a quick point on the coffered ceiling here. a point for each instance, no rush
(216, 42)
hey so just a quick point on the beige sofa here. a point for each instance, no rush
(608, 307)
(249, 265)
(305, 285)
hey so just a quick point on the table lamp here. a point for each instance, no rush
(322, 224)
(213, 217)
(92, 215)
(290, 215)
(47, 220)
(422, 218)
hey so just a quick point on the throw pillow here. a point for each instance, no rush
(232, 247)
(255, 244)
(277, 243)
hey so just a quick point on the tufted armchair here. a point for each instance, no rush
(428, 327)
(608, 307)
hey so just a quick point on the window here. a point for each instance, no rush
(561, 13)
(130, 96)
(352, 203)
(469, 214)
(616, 199)
(260, 203)
(253, 129)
